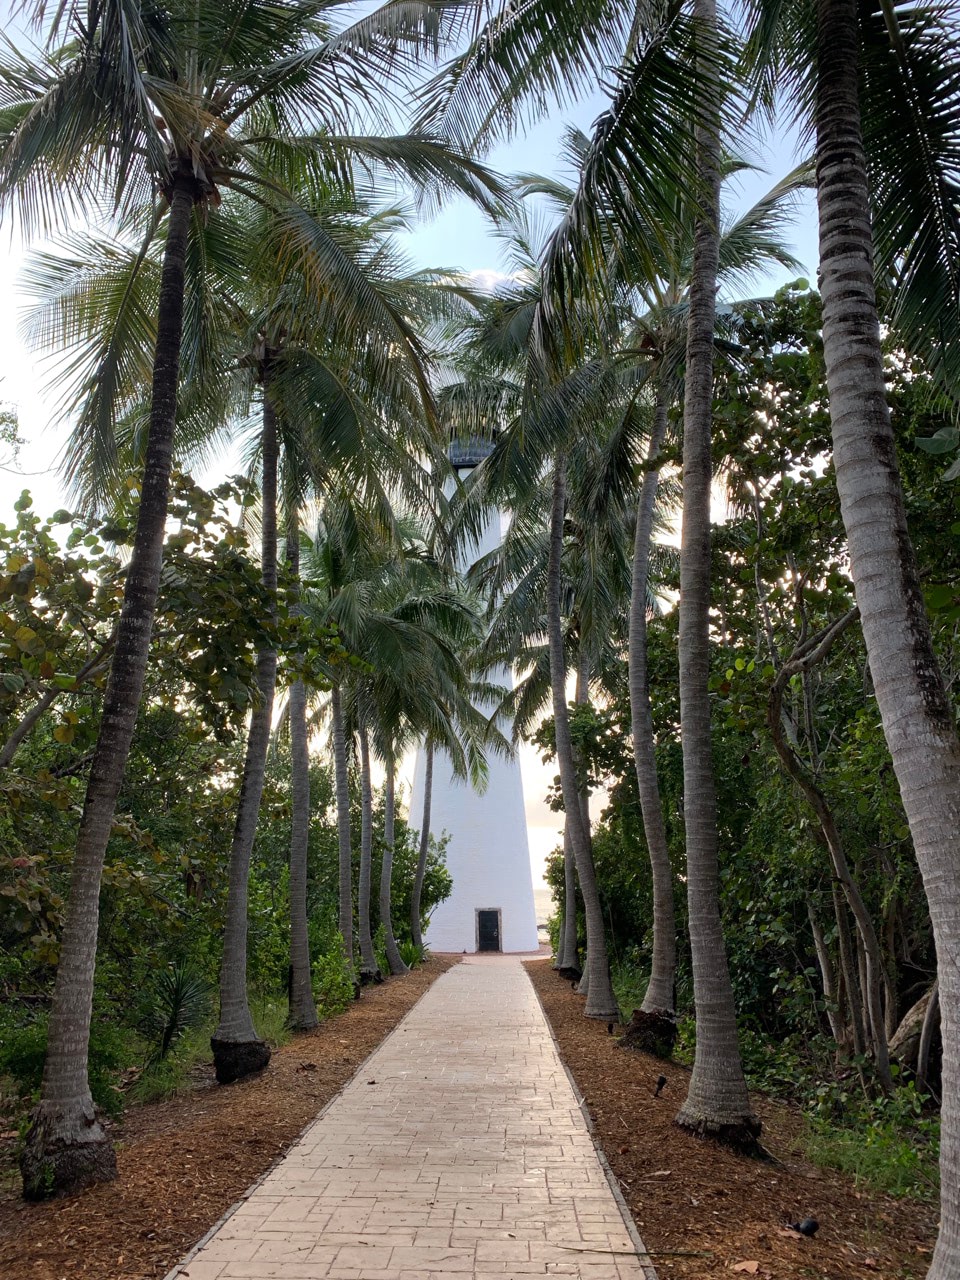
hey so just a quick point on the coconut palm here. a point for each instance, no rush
(185, 104)
(396, 608)
(657, 301)
(888, 201)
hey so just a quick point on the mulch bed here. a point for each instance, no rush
(691, 1197)
(184, 1162)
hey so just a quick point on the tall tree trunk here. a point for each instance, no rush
(917, 719)
(345, 861)
(369, 971)
(826, 974)
(421, 871)
(303, 1010)
(237, 1049)
(394, 957)
(66, 1147)
(931, 1020)
(717, 1102)
(568, 955)
(659, 997)
(848, 971)
(601, 1002)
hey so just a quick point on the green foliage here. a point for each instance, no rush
(410, 953)
(179, 1000)
(332, 980)
(112, 1049)
(893, 1144)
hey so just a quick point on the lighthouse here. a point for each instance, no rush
(491, 906)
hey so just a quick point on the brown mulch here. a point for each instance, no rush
(691, 1197)
(184, 1162)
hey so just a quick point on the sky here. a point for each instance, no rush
(457, 238)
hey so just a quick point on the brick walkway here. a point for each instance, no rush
(458, 1149)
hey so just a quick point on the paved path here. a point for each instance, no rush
(459, 1150)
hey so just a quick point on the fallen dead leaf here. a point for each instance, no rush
(750, 1268)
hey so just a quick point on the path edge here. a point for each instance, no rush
(176, 1271)
(644, 1257)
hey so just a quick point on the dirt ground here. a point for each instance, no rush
(184, 1162)
(703, 1211)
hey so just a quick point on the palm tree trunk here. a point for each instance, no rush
(601, 1002)
(659, 997)
(917, 719)
(345, 864)
(717, 1102)
(568, 957)
(66, 1147)
(394, 957)
(303, 1010)
(237, 1049)
(421, 871)
(368, 958)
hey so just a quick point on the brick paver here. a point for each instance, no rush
(459, 1150)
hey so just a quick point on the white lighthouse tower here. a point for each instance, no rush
(491, 907)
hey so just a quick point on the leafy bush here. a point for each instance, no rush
(332, 981)
(410, 953)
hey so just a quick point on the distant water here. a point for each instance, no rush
(543, 904)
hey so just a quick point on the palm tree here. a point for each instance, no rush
(887, 200)
(303, 1010)
(186, 103)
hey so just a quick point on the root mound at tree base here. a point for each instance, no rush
(742, 1136)
(52, 1166)
(569, 972)
(651, 1031)
(236, 1059)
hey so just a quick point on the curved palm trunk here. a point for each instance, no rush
(568, 956)
(66, 1147)
(717, 1102)
(421, 871)
(368, 958)
(917, 719)
(345, 864)
(237, 1049)
(303, 1010)
(600, 1002)
(659, 997)
(386, 872)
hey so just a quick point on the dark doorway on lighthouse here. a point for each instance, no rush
(488, 930)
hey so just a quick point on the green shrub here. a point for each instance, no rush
(332, 981)
(178, 1001)
(410, 953)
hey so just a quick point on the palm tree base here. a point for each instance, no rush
(65, 1151)
(303, 1021)
(741, 1135)
(602, 1013)
(370, 976)
(651, 1031)
(570, 973)
(236, 1059)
